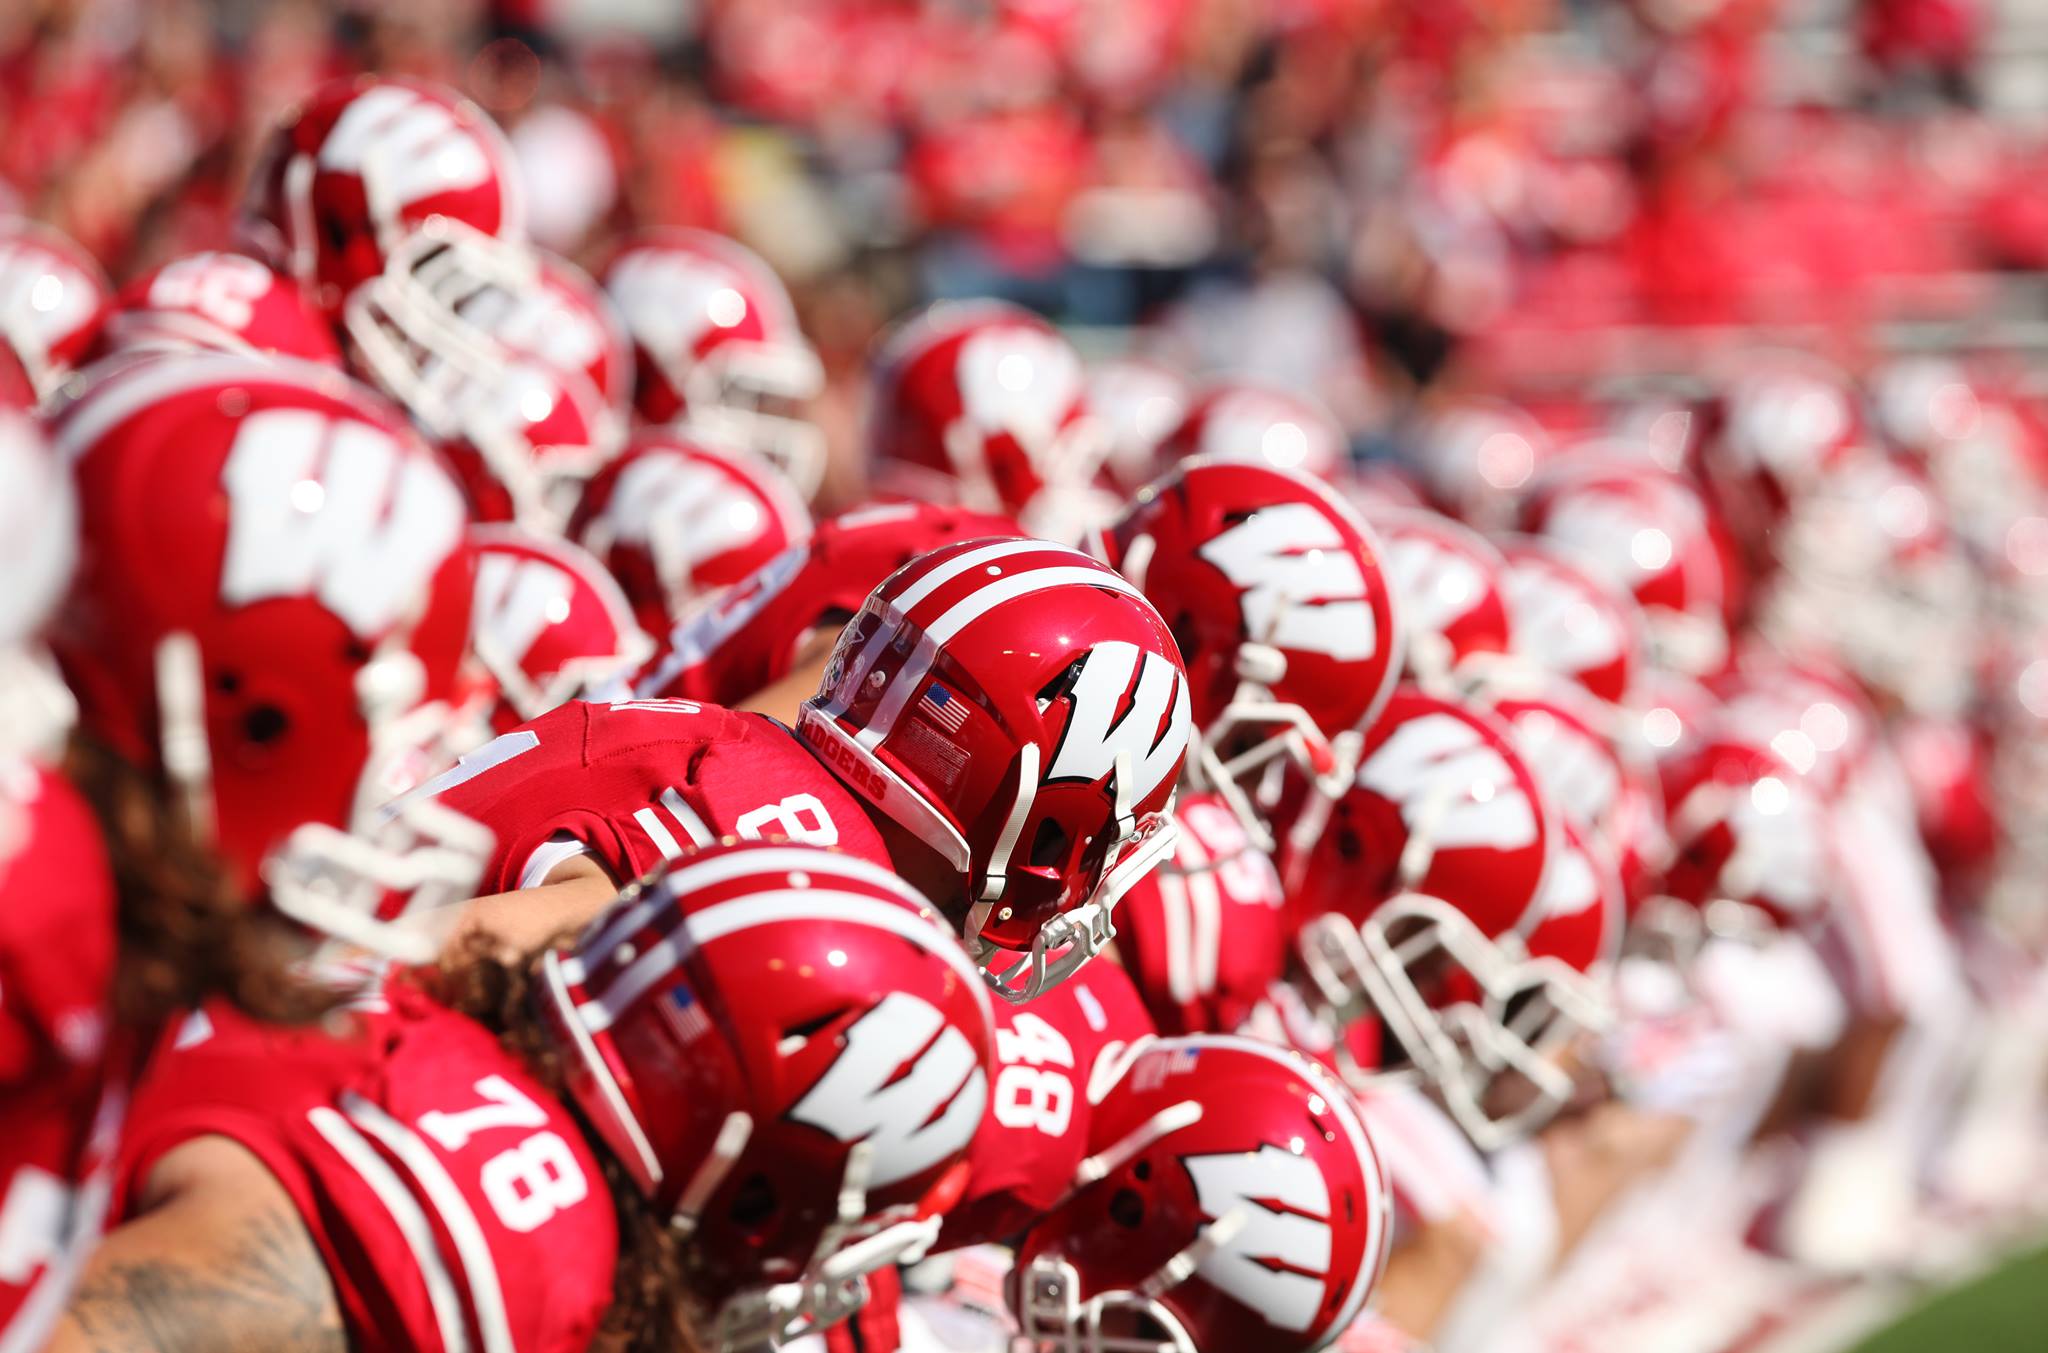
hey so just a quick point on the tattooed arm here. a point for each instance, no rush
(216, 1261)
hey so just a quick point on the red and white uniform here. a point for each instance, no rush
(63, 1087)
(642, 781)
(453, 1200)
(1205, 933)
(1049, 1054)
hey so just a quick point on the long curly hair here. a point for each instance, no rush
(187, 932)
(651, 1309)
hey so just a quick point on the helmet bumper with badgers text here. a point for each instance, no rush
(1022, 710)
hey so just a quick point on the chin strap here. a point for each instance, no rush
(733, 1136)
(1067, 941)
(181, 724)
(834, 1284)
(1056, 1320)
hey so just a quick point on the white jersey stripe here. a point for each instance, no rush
(664, 840)
(487, 1299)
(407, 1216)
(684, 814)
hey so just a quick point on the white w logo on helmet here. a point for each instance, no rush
(1437, 585)
(912, 1120)
(1303, 589)
(1451, 785)
(1152, 731)
(1018, 381)
(1276, 1262)
(407, 148)
(684, 511)
(332, 508)
(1569, 884)
(672, 300)
(1556, 625)
(516, 601)
(1573, 769)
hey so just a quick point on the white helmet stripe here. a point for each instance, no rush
(769, 908)
(972, 608)
(710, 871)
(901, 606)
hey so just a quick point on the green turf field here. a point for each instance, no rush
(2006, 1311)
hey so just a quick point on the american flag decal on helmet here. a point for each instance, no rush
(686, 1015)
(943, 708)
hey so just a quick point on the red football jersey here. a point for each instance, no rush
(453, 1200)
(1204, 934)
(63, 1072)
(1050, 1054)
(634, 783)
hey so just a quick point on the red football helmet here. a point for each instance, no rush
(1231, 1201)
(271, 611)
(522, 441)
(749, 636)
(674, 518)
(1566, 620)
(219, 302)
(1140, 403)
(1243, 420)
(983, 404)
(1871, 575)
(1023, 711)
(567, 320)
(363, 164)
(1453, 610)
(441, 304)
(1811, 715)
(1442, 802)
(1782, 421)
(799, 1132)
(1480, 455)
(1650, 531)
(548, 623)
(1601, 779)
(1416, 888)
(1278, 596)
(53, 298)
(717, 345)
(500, 364)
(1747, 828)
